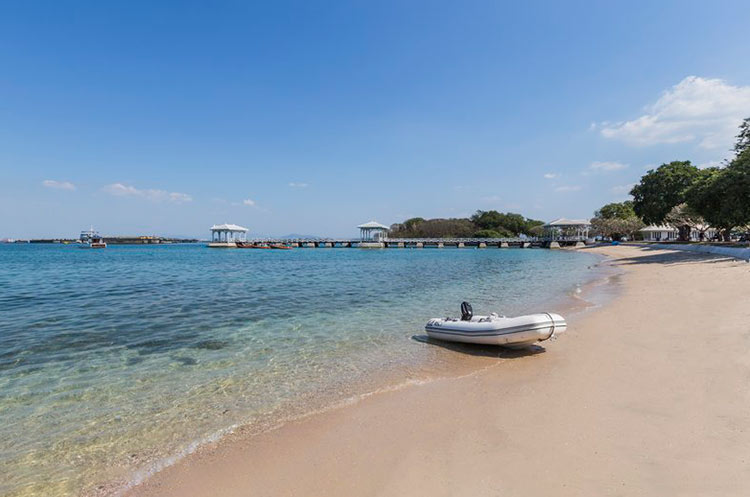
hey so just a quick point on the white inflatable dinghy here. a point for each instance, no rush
(517, 332)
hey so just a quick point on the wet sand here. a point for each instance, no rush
(648, 395)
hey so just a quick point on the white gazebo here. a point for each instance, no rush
(568, 229)
(227, 235)
(372, 231)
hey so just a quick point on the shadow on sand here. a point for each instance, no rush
(481, 350)
(672, 257)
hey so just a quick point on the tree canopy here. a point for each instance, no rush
(483, 224)
(616, 210)
(515, 224)
(661, 189)
(743, 138)
(616, 220)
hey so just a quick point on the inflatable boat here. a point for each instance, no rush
(494, 329)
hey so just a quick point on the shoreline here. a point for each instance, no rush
(443, 363)
(210, 464)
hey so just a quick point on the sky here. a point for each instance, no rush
(313, 117)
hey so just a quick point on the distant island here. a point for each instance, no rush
(483, 224)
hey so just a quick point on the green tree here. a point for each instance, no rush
(616, 228)
(616, 210)
(722, 196)
(743, 139)
(616, 220)
(510, 222)
(661, 189)
(492, 234)
(686, 219)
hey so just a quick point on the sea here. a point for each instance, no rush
(117, 362)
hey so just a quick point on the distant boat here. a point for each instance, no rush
(92, 239)
(251, 245)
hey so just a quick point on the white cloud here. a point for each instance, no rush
(711, 163)
(568, 188)
(703, 110)
(295, 184)
(249, 202)
(121, 190)
(58, 185)
(607, 166)
(491, 199)
(551, 175)
(622, 189)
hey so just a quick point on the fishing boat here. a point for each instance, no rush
(92, 239)
(279, 246)
(252, 245)
(513, 332)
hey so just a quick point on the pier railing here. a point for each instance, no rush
(421, 242)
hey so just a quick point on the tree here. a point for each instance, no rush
(616, 228)
(616, 220)
(434, 228)
(492, 234)
(661, 189)
(515, 224)
(686, 219)
(722, 196)
(616, 210)
(743, 139)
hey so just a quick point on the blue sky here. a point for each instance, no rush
(312, 117)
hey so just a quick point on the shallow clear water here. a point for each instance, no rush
(113, 359)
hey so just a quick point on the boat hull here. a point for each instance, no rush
(516, 332)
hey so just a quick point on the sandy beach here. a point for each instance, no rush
(647, 395)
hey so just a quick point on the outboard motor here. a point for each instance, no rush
(466, 311)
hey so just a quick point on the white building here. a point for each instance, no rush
(373, 231)
(668, 233)
(659, 233)
(567, 229)
(227, 235)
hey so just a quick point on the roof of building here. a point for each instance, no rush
(373, 225)
(568, 222)
(658, 227)
(227, 227)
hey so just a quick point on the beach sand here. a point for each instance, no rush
(648, 395)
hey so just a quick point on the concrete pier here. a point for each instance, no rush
(374, 245)
(422, 242)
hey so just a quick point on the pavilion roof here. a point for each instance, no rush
(568, 222)
(373, 225)
(227, 227)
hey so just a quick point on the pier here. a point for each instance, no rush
(422, 243)
(557, 234)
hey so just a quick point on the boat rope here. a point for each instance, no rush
(552, 333)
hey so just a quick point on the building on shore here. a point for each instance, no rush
(227, 235)
(668, 233)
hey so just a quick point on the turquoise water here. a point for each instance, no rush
(112, 361)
